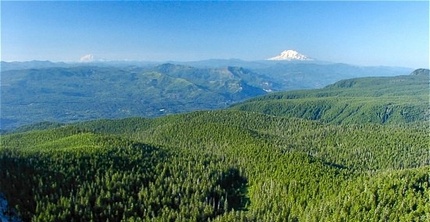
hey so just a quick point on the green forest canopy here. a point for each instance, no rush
(225, 165)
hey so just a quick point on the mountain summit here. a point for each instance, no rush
(290, 55)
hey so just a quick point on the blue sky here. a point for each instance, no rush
(362, 33)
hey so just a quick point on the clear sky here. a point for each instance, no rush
(362, 33)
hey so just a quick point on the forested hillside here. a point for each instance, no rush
(39, 91)
(245, 163)
(220, 166)
(77, 93)
(399, 99)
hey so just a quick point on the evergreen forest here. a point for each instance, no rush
(356, 150)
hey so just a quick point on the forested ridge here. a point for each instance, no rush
(225, 165)
(399, 99)
(43, 91)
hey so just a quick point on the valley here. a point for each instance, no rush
(288, 156)
(59, 92)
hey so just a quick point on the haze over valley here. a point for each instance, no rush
(68, 92)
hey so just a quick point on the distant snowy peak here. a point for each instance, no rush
(290, 55)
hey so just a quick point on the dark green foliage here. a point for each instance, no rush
(37, 126)
(395, 100)
(232, 165)
(111, 178)
(43, 91)
(218, 165)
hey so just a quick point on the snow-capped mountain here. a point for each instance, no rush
(290, 55)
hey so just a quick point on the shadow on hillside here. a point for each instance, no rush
(235, 186)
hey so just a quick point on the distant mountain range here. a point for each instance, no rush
(89, 92)
(63, 92)
(292, 140)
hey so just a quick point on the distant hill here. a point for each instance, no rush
(6, 66)
(40, 91)
(91, 92)
(294, 75)
(424, 72)
(400, 99)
